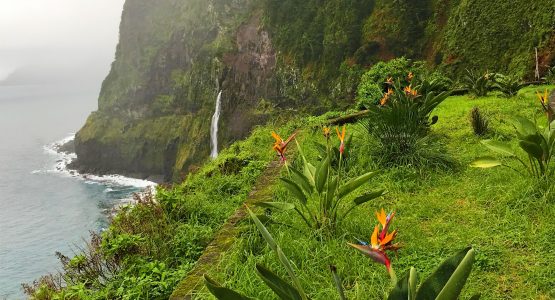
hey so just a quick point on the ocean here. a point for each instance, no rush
(44, 208)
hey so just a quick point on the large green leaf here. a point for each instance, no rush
(447, 281)
(308, 169)
(499, 147)
(405, 288)
(368, 196)
(454, 286)
(330, 194)
(485, 162)
(301, 180)
(220, 292)
(354, 184)
(523, 126)
(289, 268)
(277, 205)
(321, 176)
(282, 288)
(532, 149)
(265, 234)
(294, 189)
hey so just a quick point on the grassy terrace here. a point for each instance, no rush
(500, 213)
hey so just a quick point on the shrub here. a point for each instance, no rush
(509, 85)
(434, 82)
(369, 94)
(401, 125)
(373, 83)
(479, 122)
(478, 84)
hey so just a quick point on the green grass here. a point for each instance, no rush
(438, 213)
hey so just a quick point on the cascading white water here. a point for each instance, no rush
(214, 126)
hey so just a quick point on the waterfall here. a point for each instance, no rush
(214, 126)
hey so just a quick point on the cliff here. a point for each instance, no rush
(275, 56)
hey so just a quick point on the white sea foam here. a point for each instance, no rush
(63, 159)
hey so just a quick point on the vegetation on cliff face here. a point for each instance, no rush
(175, 56)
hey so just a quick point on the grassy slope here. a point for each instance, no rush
(437, 214)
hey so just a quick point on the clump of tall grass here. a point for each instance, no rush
(479, 122)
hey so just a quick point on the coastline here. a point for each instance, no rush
(66, 166)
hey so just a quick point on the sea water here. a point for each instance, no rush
(45, 208)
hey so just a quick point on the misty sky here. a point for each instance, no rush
(58, 37)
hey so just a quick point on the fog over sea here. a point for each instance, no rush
(44, 209)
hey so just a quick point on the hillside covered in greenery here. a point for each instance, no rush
(364, 142)
(269, 56)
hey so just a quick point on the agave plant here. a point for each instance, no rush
(509, 85)
(537, 144)
(478, 84)
(445, 283)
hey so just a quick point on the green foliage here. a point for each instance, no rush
(549, 77)
(509, 85)
(537, 143)
(151, 245)
(320, 192)
(479, 122)
(445, 283)
(401, 126)
(373, 83)
(369, 94)
(496, 35)
(478, 84)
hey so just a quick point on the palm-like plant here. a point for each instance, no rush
(509, 85)
(478, 84)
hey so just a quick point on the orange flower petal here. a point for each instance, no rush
(388, 238)
(382, 217)
(277, 137)
(374, 237)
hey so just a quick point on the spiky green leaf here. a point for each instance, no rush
(283, 289)
(368, 196)
(321, 176)
(354, 184)
(405, 288)
(448, 280)
(263, 230)
(277, 205)
(294, 189)
(220, 292)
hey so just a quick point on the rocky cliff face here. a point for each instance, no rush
(269, 56)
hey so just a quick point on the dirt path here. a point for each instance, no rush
(225, 237)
